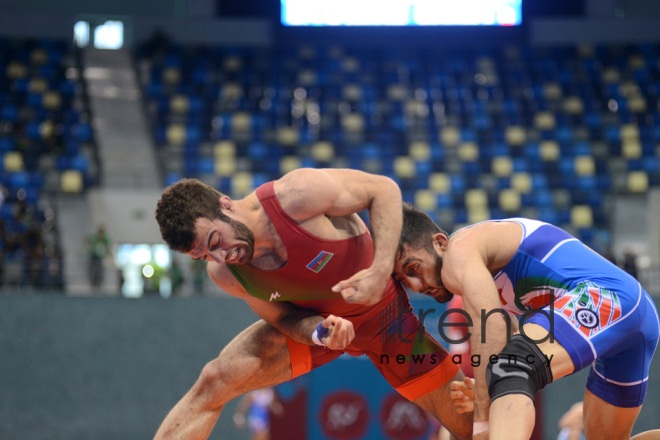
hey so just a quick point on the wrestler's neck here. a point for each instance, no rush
(267, 242)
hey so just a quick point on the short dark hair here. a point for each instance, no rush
(181, 204)
(418, 230)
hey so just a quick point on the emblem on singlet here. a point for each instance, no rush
(319, 261)
(589, 307)
(587, 318)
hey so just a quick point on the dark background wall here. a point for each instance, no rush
(80, 369)
(94, 368)
(255, 22)
(151, 8)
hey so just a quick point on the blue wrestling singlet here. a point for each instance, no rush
(602, 316)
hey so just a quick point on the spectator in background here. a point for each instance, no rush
(33, 254)
(254, 411)
(3, 194)
(176, 276)
(158, 43)
(630, 262)
(98, 246)
(198, 268)
(3, 246)
(609, 255)
(55, 270)
(572, 424)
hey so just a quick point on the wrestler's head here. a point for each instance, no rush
(196, 219)
(418, 262)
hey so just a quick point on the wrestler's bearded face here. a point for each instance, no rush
(226, 241)
(444, 295)
(243, 234)
(421, 271)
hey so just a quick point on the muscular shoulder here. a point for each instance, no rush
(306, 193)
(464, 252)
(491, 244)
(223, 278)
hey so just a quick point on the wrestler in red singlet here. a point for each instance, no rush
(313, 266)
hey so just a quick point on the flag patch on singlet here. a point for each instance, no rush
(321, 260)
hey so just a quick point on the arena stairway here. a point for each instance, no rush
(127, 160)
(125, 145)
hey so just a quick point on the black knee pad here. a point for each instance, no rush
(521, 368)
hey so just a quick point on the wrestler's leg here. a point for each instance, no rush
(603, 420)
(648, 435)
(258, 357)
(512, 417)
(439, 403)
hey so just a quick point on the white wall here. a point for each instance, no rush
(654, 240)
(630, 224)
(129, 216)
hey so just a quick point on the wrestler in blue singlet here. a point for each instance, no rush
(602, 316)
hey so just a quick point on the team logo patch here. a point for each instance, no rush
(590, 308)
(320, 261)
(587, 318)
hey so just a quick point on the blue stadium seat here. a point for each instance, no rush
(613, 134)
(205, 165)
(567, 165)
(587, 183)
(651, 164)
(193, 135)
(445, 201)
(564, 216)
(460, 216)
(36, 181)
(539, 182)
(502, 183)
(564, 135)
(587, 235)
(18, 179)
(497, 214)
(521, 165)
(528, 200)
(472, 168)
(34, 100)
(531, 150)
(423, 170)
(82, 132)
(80, 163)
(543, 199)
(258, 151)
(6, 144)
(9, 113)
(172, 178)
(593, 120)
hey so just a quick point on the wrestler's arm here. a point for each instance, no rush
(307, 193)
(294, 322)
(465, 273)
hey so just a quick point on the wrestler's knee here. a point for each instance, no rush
(231, 374)
(216, 382)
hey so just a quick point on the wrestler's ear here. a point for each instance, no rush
(226, 203)
(440, 241)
